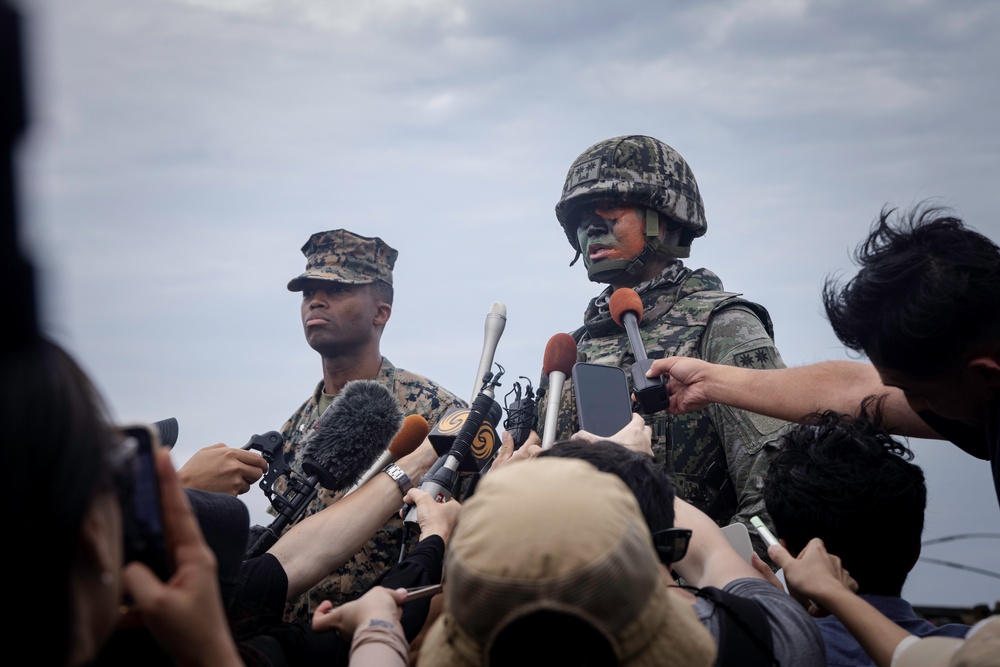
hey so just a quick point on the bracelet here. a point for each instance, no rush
(398, 476)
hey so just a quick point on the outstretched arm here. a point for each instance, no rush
(786, 393)
(817, 578)
(320, 543)
(710, 560)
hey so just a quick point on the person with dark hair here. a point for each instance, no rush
(631, 208)
(925, 309)
(75, 582)
(751, 621)
(849, 483)
(346, 302)
(552, 563)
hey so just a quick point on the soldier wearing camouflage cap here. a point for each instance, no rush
(347, 298)
(631, 207)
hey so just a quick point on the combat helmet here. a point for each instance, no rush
(641, 171)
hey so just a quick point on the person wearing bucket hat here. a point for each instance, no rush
(347, 294)
(552, 563)
(751, 621)
(630, 206)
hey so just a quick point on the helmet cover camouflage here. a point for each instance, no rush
(637, 170)
(345, 257)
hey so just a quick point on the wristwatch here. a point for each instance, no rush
(398, 476)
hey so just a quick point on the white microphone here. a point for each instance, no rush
(560, 355)
(496, 320)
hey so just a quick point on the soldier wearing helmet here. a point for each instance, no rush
(631, 208)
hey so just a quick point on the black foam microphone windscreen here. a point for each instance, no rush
(351, 434)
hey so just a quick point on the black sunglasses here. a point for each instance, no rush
(671, 544)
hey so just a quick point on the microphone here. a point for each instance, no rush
(557, 364)
(626, 310)
(496, 320)
(413, 432)
(347, 438)
(439, 482)
(350, 434)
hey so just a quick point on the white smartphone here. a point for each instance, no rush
(762, 530)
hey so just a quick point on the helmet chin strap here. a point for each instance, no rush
(609, 271)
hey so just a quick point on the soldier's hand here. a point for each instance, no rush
(687, 382)
(222, 469)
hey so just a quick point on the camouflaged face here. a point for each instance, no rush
(346, 257)
(635, 170)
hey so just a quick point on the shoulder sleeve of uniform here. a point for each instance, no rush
(736, 336)
(420, 395)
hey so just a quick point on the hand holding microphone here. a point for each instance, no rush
(440, 480)
(347, 438)
(626, 310)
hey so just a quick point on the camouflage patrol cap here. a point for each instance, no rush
(637, 170)
(345, 257)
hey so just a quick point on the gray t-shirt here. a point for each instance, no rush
(794, 636)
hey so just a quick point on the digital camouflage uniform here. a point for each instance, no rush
(719, 455)
(416, 395)
(342, 256)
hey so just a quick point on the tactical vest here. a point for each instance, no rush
(673, 323)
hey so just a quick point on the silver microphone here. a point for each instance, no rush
(496, 320)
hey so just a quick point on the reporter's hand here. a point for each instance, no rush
(687, 382)
(222, 469)
(814, 576)
(433, 517)
(531, 448)
(184, 614)
(636, 435)
(378, 604)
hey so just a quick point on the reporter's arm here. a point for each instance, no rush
(817, 575)
(320, 543)
(786, 393)
(710, 559)
(222, 469)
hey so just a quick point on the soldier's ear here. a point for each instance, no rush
(383, 311)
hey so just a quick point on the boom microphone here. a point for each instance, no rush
(496, 320)
(347, 438)
(413, 432)
(351, 434)
(626, 310)
(557, 364)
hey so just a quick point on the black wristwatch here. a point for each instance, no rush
(398, 476)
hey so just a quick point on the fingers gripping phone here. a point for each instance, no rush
(139, 495)
(603, 399)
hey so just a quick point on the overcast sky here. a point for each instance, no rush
(182, 151)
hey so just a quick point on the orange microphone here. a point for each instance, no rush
(411, 434)
(626, 310)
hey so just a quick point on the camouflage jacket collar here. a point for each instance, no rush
(658, 296)
(386, 375)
